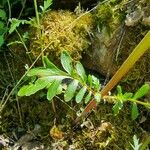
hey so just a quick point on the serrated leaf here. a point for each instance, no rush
(88, 97)
(97, 97)
(136, 145)
(80, 95)
(16, 23)
(47, 3)
(30, 89)
(66, 62)
(142, 91)
(134, 111)
(3, 14)
(81, 71)
(69, 94)
(52, 90)
(117, 107)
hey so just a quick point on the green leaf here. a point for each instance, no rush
(3, 14)
(1, 25)
(52, 90)
(88, 97)
(119, 91)
(66, 62)
(48, 64)
(96, 83)
(97, 97)
(69, 94)
(47, 4)
(142, 91)
(90, 80)
(117, 107)
(30, 89)
(137, 144)
(126, 96)
(80, 94)
(81, 71)
(44, 72)
(134, 111)
(1, 40)
(16, 23)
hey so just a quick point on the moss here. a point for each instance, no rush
(64, 33)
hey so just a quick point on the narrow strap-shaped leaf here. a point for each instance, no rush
(134, 111)
(88, 97)
(66, 62)
(80, 94)
(30, 89)
(52, 90)
(81, 71)
(142, 91)
(69, 94)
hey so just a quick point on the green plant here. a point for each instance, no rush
(3, 26)
(139, 50)
(81, 86)
(136, 145)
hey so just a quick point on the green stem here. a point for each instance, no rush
(37, 13)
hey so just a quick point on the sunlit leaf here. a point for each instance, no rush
(97, 97)
(88, 97)
(44, 72)
(119, 90)
(90, 80)
(80, 95)
(134, 111)
(52, 90)
(126, 96)
(47, 4)
(81, 71)
(48, 64)
(69, 94)
(66, 62)
(96, 83)
(30, 89)
(117, 107)
(142, 91)
(16, 23)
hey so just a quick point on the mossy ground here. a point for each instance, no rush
(101, 130)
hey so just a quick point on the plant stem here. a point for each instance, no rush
(122, 71)
(37, 13)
